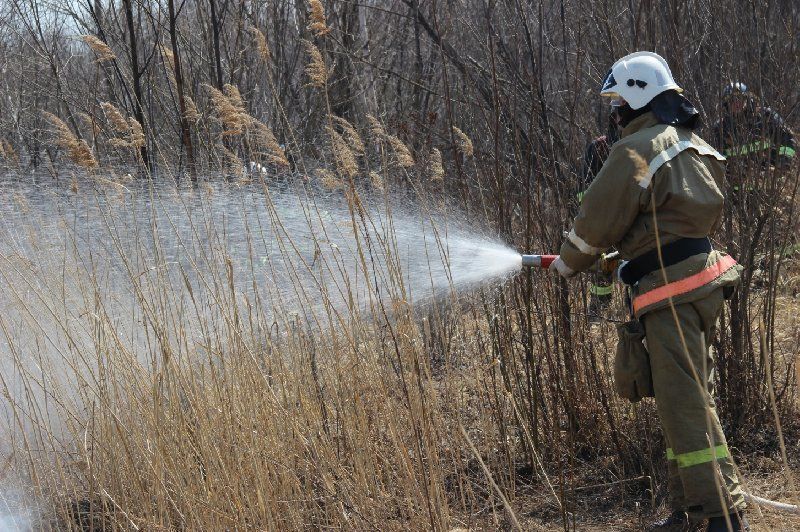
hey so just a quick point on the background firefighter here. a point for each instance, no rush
(662, 187)
(601, 287)
(750, 134)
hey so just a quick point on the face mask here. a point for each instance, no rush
(627, 115)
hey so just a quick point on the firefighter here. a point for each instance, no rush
(601, 287)
(751, 133)
(662, 187)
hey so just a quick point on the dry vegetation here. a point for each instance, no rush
(489, 410)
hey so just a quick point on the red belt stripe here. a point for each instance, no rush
(685, 285)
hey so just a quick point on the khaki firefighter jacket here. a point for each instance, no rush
(654, 169)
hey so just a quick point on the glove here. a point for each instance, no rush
(609, 263)
(561, 267)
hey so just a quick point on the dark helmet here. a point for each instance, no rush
(735, 88)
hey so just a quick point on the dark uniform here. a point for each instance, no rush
(759, 148)
(753, 137)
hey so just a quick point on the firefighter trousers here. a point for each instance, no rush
(702, 476)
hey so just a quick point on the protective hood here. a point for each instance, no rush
(673, 109)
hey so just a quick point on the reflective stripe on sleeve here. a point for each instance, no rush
(601, 290)
(788, 151)
(744, 149)
(703, 456)
(582, 246)
(685, 285)
(670, 153)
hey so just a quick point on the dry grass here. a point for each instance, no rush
(101, 49)
(435, 167)
(316, 70)
(78, 150)
(317, 25)
(229, 110)
(463, 143)
(260, 44)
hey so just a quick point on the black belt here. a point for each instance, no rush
(671, 253)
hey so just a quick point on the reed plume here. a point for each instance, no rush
(229, 114)
(169, 59)
(192, 114)
(136, 133)
(375, 128)
(315, 67)
(128, 132)
(318, 26)
(115, 118)
(463, 143)
(77, 150)
(231, 161)
(9, 153)
(350, 134)
(435, 168)
(329, 179)
(376, 180)
(235, 97)
(101, 49)
(264, 141)
(402, 155)
(260, 43)
(90, 123)
(346, 164)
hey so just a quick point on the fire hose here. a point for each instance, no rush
(612, 260)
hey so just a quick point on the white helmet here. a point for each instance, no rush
(638, 78)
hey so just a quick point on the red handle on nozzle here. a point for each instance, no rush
(547, 260)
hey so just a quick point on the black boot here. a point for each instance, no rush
(677, 521)
(738, 522)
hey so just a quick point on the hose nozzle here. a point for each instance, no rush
(538, 261)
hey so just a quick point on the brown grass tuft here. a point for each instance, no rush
(101, 49)
(230, 115)
(375, 128)
(128, 132)
(7, 152)
(115, 118)
(316, 70)
(90, 123)
(402, 155)
(169, 59)
(260, 43)
(136, 133)
(192, 114)
(77, 150)
(230, 161)
(463, 143)
(641, 168)
(318, 24)
(329, 179)
(435, 168)
(346, 163)
(376, 180)
(263, 141)
(350, 134)
(235, 97)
